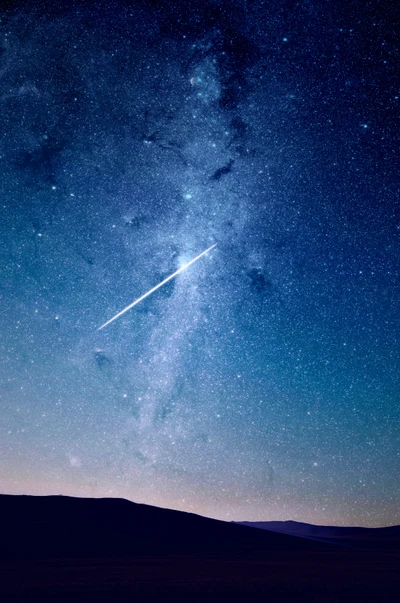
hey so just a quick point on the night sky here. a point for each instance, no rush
(263, 382)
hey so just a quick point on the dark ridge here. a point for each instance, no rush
(386, 538)
(40, 527)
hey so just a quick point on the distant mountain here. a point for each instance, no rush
(387, 538)
(61, 526)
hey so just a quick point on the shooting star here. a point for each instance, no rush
(171, 276)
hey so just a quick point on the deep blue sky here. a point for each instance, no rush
(263, 382)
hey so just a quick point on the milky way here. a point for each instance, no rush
(262, 383)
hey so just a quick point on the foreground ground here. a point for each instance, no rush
(330, 576)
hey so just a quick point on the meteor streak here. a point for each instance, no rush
(171, 276)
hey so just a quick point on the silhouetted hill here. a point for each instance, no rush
(61, 526)
(65, 549)
(387, 538)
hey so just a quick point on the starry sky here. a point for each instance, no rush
(263, 382)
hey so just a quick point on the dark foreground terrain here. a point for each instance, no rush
(66, 549)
